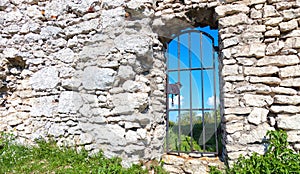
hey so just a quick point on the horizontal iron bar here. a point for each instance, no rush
(190, 69)
(195, 109)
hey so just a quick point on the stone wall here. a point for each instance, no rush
(91, 73)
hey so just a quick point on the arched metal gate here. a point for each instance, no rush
(193, 113)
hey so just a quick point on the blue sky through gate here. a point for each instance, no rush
(195, 62)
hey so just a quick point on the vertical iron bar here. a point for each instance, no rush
(191, 114)
(215, 97)
(179, 117)
(167, 95)
(202, 91)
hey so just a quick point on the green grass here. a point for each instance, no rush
(48, 158)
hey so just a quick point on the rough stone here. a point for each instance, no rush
(278, 60)
(285, 109)
(266, 80)
(291, 71)
(231, 9)
(261, 71)
(255, 135)
(288, 26)
(288, 121)
(97, 78)
(285, 99)
(69, 102)
(295, 82)
(128, 103)
(258, 116)
(45, 78)
(258, 100)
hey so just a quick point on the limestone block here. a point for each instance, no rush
(235, 20)
(109, 134)
(261, 71)
(231, 102)
(97, 78)
(258, 116)
(33, 12)
(252, 2)
(255, 14)
(293, 42)
(288, 121)
(257, 50)
(274, 47)
(246, 61)
(258, 88)
(237, 110)
(272, 33)
(46, 78)
(128, 103)
(126, 73)
(258, 100)
(291, 13)
(137, 43)
(194, 166)
(234, 127)
(65, 55)
(85, 138)
(285, 109)
(231, 9)
(275, 21)
(270, 11)
(266, 80)
(294, 82)
(10, 52)
(290, 71)
(255, 135)
(95, 50)
(131, 136)
(285, 99)
(43, 106)
(69, 102)
(257, 148)
(236, 155)
(288, 26)
(294, 33)
(13, 16)
(230, 70)
(230, 42)
(282, 90)
(278, 60)
(83, 27)
(57, 130)
(50, 31)
(293, 136)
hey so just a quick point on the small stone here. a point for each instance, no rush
(285, 99)
(237, 110)
(235, 20)
(270, 11)
(46, 78)
(278, 60)
(288, 121)
(282, 90)
(293, 42)
(261, 71)
(266, 80)
(97, 78)
(274, 47)
(230, 9)
(258, 100)
(285, 109)
(288, 26)
(126, 72)
(290, 71)
(293, 82)
(258, 115)
(85, 138)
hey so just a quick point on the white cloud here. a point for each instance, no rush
(211, 99)
(175, 101)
